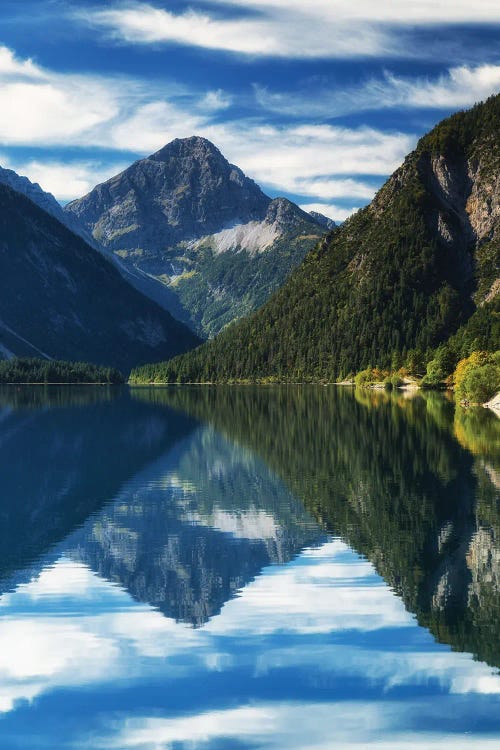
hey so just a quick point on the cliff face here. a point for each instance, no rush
(197, 235)
(462, 207)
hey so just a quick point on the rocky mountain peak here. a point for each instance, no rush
(185, 217)
(285, 214)
(323, 220)
(183, 192)
(194, 147)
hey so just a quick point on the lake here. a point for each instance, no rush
(308, 568)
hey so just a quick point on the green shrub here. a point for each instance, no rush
(364, 378)
(415, 362)
(434, 375)
(479, 384)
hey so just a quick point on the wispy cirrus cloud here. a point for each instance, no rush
(460, 86)
(320, 162)
(44, 107)
(263, 32)
(290, 28)
(64, 179)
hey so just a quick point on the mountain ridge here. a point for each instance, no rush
(63, 300)
(44, 200)
(402, 274)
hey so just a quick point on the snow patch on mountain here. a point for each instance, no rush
(254, 237)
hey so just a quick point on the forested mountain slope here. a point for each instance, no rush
(402, 274)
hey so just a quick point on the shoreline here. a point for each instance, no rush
(66, 383)
(493, 405)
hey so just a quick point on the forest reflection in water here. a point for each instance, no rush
(411, 481)
(230, 567)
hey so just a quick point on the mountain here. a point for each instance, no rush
(61, 299)
(44, 200)
(196, 234)
(402, 274)
(323, 220)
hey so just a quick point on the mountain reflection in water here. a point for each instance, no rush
(328, 548)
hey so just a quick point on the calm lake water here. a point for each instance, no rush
(296, 568)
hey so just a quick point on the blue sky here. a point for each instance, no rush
(316, 100)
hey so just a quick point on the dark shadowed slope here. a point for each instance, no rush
(61, 299)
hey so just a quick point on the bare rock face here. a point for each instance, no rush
(185, 191)
(214, 242)
(325, 221)
(471, 194)
(483, 202)
(462, 206)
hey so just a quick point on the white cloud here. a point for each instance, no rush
(46, 112)
(328, 188)
(48, 109)
(299, 34)
(461, 86)
(290, 28)
(215, 101)
(41, 107)
(337, 213)
(66, 180)
(293, 158)
(297, 726)
(152, 125)
(422, 12)
(13, 68)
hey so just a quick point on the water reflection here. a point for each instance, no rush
(194, 528)
(391, 476)
(64, 453)
(243, 513)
